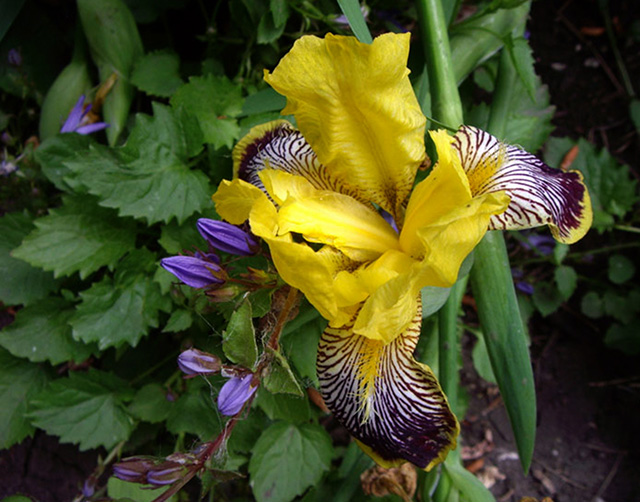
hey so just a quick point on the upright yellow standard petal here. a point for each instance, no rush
(355, 106)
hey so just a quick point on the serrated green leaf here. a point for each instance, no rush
(79, 236)
(287, 459)
(41, 332)
(86, 409)
(566, 280)
(522, 59)
(151, 404)
(180, 320)
(264, 101)
(19, 382)
(239, 339)
(55, 151)
(148, 178)
(300, 339)
(195, 413)
(592, 305)
(21, 283)
(120, 310)
(546, 298)
(175, 238)
(215, 102)
(157, 73)
(621, 269)
(280, 378)
(284, 406)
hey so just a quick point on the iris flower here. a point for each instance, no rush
(337, 203)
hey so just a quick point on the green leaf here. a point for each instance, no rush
(180, 320)
(85, 409)
(268, 30)
(280, 11)
(621, 269)
(195, 413)
(481, 361)
(123, 491)
(19, 382)
(622, 307)
(55, 151)
(214, 101)
(284, 406)
(547, 298)
(592, 305)
(148, 178)
(300, 340)
(469, 486)
(121, 310)
(266, 100)
(79, 236)
(239, 339)
(157, 73)
(625, 338)
(566, 280)
(41, 332)
(280, 378)
(506, 339)
(522, 58)
(560, 251)
(351, 9)
(151, 404)
(634, 113)
(287, 459)
(611, 185)
(21, 283)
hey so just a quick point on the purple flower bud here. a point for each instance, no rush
(228, 238)
(193, 271)
(525, 287)
(196, 362)
(76, 120)
(543, 243)
(133, 469)
(14, 57)
(166, 473)
(234, 394)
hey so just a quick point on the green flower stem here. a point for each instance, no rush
(448, 346)
(498, 310)
(445, 99)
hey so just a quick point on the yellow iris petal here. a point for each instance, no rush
(355, 106)
(235, 199)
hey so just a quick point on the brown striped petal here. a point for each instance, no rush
(278, 145)
(391, 403)
(540, 195)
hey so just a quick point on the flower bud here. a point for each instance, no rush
(228, 238)
(196, 362)
(166, 473)
(133, 469)
(235, 393)
(193, 271)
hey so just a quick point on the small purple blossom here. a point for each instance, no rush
(194, 271)
(544, 244)
(525, 287)
(14, 58)
(233, 394)
(77, 120)
(228, 238)
(196, 362)
(7, 167)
